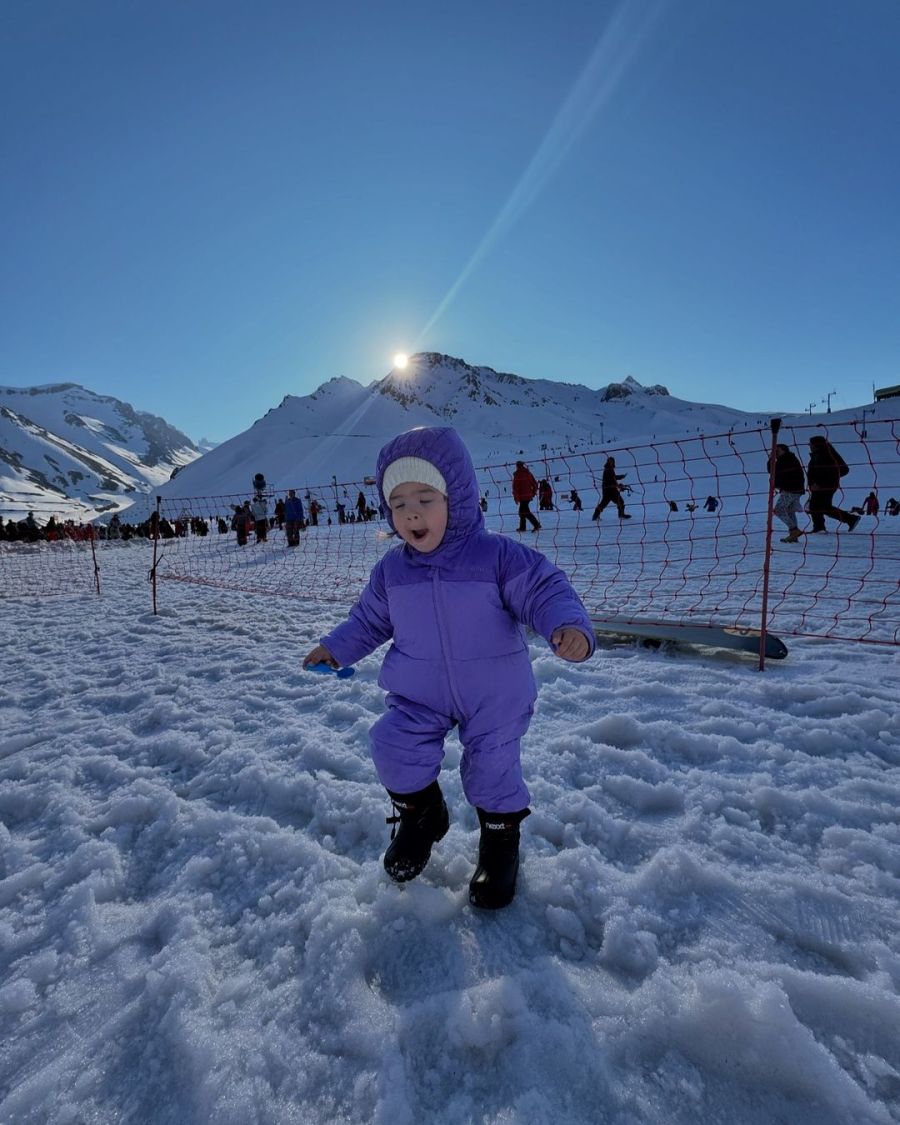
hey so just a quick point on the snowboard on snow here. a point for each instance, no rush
(717, 636)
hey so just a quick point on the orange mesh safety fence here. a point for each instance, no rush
(37, 562)
(692, 543)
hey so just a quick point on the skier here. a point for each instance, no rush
(453, 600)
(611, 492)
(576, 500)
(711, 503)
(545, 496)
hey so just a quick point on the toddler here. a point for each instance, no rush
(453, 600)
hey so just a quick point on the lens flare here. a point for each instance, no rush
(401, 360)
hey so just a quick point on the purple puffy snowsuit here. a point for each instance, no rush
(459, 653)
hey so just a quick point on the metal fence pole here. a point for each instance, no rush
(154, 522)
(775, 425)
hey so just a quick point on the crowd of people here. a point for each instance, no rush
(29, 530)
(56, 530)
(292, 515)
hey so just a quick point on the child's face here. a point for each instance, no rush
(420, 515)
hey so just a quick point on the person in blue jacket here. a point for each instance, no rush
(453, 600)
(293, 518)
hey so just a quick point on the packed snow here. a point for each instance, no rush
(195, 925)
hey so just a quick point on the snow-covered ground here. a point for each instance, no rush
(195, 925)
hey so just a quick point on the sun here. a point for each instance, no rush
(401, 360)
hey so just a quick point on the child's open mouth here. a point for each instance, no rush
(417, 535)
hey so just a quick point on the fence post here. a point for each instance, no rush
(154, 523)
(775, 426)
(94, 555)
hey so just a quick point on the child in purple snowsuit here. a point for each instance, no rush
(453, 600)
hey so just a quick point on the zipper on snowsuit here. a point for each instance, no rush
(440, 617)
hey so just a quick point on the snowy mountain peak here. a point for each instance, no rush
(338, 430)
(629, 387)
(337, 388)
(43, 389)
(448, 387)
(69, 451)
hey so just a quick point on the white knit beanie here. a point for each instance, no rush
(407, 469)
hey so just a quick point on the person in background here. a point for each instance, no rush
(711, 504)
(545, 496)
(870, 505)
(576, 500)
(240, 522)
(453, 601)
(293, 518)
(610, 492)
(525, 489)
(259, 510)
(790, 486)
(823, 474)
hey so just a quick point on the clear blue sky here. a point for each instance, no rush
(209, 204)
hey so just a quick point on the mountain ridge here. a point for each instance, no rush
(68, 451)
(337, 430)
(99, 454)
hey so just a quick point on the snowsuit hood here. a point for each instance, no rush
(444, 448)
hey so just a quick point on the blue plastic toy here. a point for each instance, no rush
(326, 669)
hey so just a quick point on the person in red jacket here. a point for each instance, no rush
(525, 489)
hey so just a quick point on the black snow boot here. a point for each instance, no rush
(494, 882)
(423, 820)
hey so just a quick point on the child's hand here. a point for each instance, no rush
(320, 655)
(570, 644)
